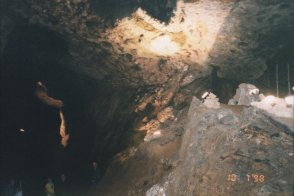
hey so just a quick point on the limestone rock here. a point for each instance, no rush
(212, 151)
(227, 118)
(245, 95)
(211, 101)
(282, 110)
(151, 135)
(150, 126)
(156, 190)
(188, 80)
(165, 114)
(221, 152)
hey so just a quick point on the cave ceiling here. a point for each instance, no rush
(136, 43)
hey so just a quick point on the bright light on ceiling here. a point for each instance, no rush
(164, 45)
(188, 37)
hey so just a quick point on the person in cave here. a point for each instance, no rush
(63, 178)
(62, 185)
(96, 174)
(18, 189)
(49, 188)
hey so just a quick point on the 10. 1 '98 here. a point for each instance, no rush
(250, 177)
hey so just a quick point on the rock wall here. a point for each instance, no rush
(236, 36)
(233, 150)
(222, 143)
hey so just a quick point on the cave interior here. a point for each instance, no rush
(89, 55)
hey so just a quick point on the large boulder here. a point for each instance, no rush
(245, 95)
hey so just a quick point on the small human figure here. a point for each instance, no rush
(62, 185)
(63, 178)
(95, 173)
(18, 189)
(49, 188)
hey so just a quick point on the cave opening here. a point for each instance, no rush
(29, 57)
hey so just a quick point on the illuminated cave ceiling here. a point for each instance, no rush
(132, 48)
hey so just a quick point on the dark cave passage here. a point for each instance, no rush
(28, 58)
(98, 118)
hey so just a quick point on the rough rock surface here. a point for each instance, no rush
(211, 101)
(245, 95)
(278, 109)
(250, 145)
(165, 114)
(233, 150)
(236, 36)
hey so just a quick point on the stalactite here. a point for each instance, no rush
(41, 94)
(62, 130)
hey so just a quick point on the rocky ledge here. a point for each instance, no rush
(231, 150)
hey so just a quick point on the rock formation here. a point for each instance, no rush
(245, 95)
(225, 151)
(211, 101)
